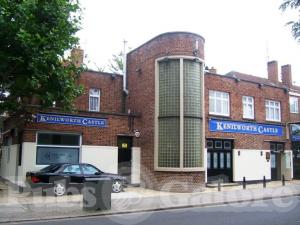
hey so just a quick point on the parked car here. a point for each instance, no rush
(59, 178)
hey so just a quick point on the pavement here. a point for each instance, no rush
(17, 207)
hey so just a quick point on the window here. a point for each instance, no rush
(228, 160)
(89, 170)
(218, 144)
(58, 139)
(208, 160)
(273, 111)
(276, 146)
(248, 107)
(57, 148)
(273, 161)
(218, 103)
(221, 160)
(178, 139)
(227, 145)
(210, 144)
(215, 160)
(72, 169)
(94, 100)
(294, 104)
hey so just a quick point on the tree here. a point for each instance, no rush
(116, 64)
(295, 25)
(35, 34)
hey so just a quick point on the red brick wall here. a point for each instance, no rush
(141, 99)
(110, 91)
(236, 90)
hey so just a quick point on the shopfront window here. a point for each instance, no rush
(57, 148)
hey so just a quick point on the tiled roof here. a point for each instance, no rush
(254, 79)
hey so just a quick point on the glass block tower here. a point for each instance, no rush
(168, 92)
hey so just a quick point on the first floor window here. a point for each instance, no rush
(55, 148)
(248, 107)
(294, 104)
(273, 111)
(94, 100)
(218, 103)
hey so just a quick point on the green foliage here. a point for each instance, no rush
(295, 25)
(35, 34)
(116, 63)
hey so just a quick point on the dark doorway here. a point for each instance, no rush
(276, 152)
(124, 156)
(219, 160)
(296, 163)
(296, 159)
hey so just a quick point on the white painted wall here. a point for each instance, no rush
(28, 161)
(250, 164)
(136, 165)
(205, 163)
(103, 157)
(9, 160)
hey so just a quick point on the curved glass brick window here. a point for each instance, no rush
(179, 115)
(169, 114)
(192, 101)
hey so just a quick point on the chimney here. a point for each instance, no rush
(213, 70)
(77, 56)
(273, 71)
(286, 75)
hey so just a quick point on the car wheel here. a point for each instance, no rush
(59, 189)
(117, 186)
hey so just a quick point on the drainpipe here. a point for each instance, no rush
(124, 69)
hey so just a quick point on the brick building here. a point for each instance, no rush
(170, 125)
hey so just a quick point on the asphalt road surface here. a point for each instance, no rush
(274, 212)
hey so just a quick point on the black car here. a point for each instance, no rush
(61, 178)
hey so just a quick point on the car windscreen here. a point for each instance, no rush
(51, 168)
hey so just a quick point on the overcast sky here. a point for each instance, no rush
(240, 35)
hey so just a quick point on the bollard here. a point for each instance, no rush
(264, 182)
(244, 183)
(283, 180)
(219, 185)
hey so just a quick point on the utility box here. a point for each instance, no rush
(97, 194)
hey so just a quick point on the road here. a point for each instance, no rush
(284, 211)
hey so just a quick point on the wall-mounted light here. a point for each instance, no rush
(239, 153)
(261, 153)
(137, 133)
(138, 71)
(195, 52)
(268, 156)
(260, 85)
